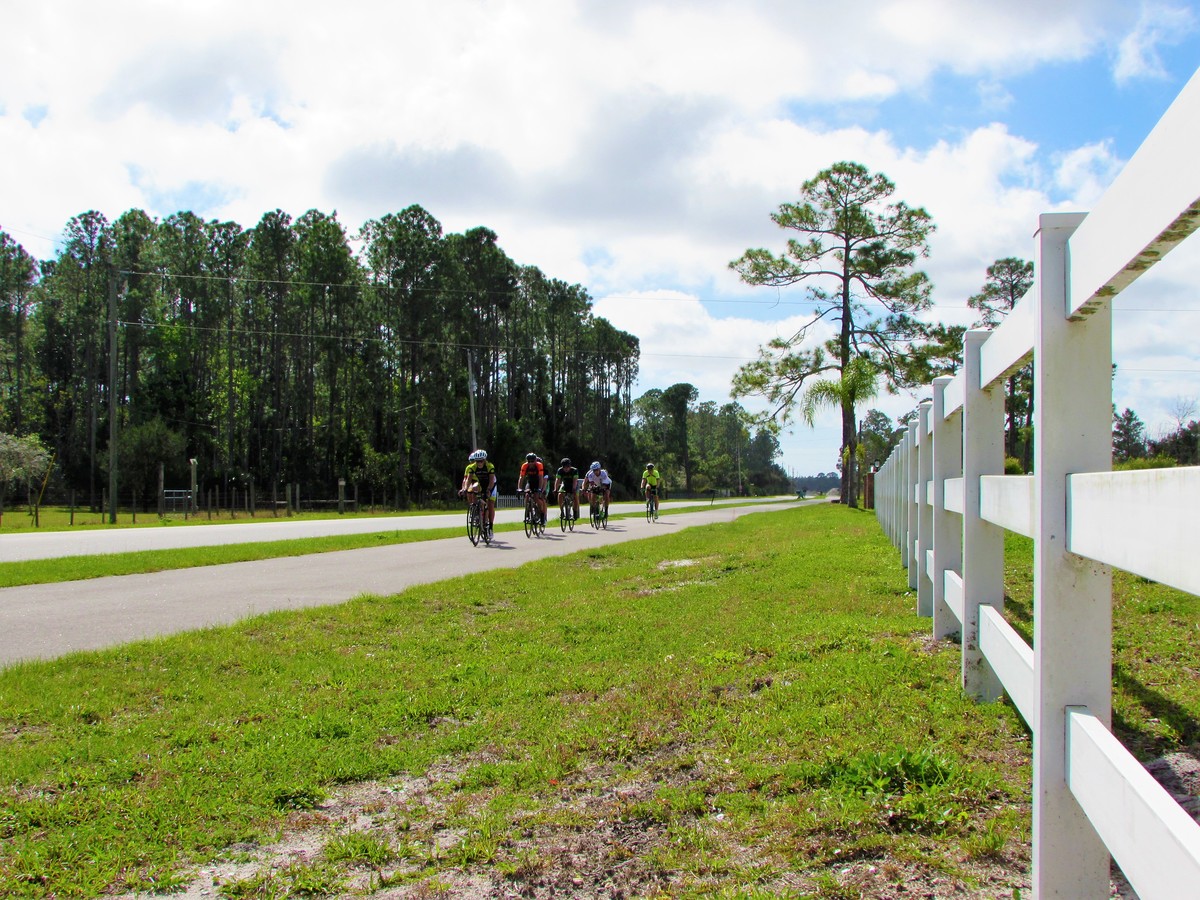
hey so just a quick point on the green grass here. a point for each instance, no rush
(19, 519)
(77, 568)
(748, 709)
(1156, 654)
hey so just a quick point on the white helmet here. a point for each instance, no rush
(478, 456)
(596, 466)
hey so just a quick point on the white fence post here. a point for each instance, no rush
(911, 505)
(924, 542)
(947, 527)
(983, 542)
(899, 470)
(1072, 615)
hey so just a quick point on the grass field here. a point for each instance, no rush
(744, 710)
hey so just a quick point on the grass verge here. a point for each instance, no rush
(739, 710)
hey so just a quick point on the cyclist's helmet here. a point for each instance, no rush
(596, 466)
(649, 465)
(478, 456)
(530, 457)
(565, 462)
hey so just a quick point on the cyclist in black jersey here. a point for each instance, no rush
(566, 481)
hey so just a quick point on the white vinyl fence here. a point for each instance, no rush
(943, 499)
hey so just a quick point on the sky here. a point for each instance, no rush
(635, 148)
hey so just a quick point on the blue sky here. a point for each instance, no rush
(633, 147)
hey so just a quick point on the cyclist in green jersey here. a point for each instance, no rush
(650, 479)
(480, 477)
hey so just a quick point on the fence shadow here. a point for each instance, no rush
(1143, 743)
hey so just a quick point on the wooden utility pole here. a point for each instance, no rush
(112, 397)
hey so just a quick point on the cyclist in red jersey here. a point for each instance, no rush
(533, 479)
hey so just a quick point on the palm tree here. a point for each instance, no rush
(857, 385)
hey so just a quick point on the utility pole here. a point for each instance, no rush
(112, 397)
(471, 391)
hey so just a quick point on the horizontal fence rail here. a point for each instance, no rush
(944, 501)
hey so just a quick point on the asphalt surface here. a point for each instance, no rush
(50, 620)
(88, 542)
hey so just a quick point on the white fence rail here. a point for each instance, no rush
(944, 501)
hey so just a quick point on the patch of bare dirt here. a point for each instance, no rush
(596, 837)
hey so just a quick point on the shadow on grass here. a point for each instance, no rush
(1144, 744)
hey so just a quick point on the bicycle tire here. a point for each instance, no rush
(474, 524)
(487, 532)
(604, 519)
(530, 528)
(563, 516)
(649, 511)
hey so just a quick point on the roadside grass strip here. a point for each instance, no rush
(739, 710)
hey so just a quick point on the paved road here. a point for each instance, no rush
(49, 620)
(88, 542)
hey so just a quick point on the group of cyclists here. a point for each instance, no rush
(534, 479)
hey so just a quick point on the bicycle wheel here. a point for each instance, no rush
(604, 518)
(563, 515)
(487, 531)
(473, 525)
(530, 520)
(649, 510)
(595, 516)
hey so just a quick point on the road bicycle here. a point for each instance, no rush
(535, 522)
(479, 526)
(599, 514)
(566, 512)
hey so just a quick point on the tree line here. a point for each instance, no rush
(297, 352)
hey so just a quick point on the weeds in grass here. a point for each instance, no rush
(360, 849)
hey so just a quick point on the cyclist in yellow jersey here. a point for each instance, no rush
(480, 477)
(650, 479)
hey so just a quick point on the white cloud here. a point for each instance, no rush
(1157, 24)
(634, 147)
(1085, 173)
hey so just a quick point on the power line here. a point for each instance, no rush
(444, 345)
